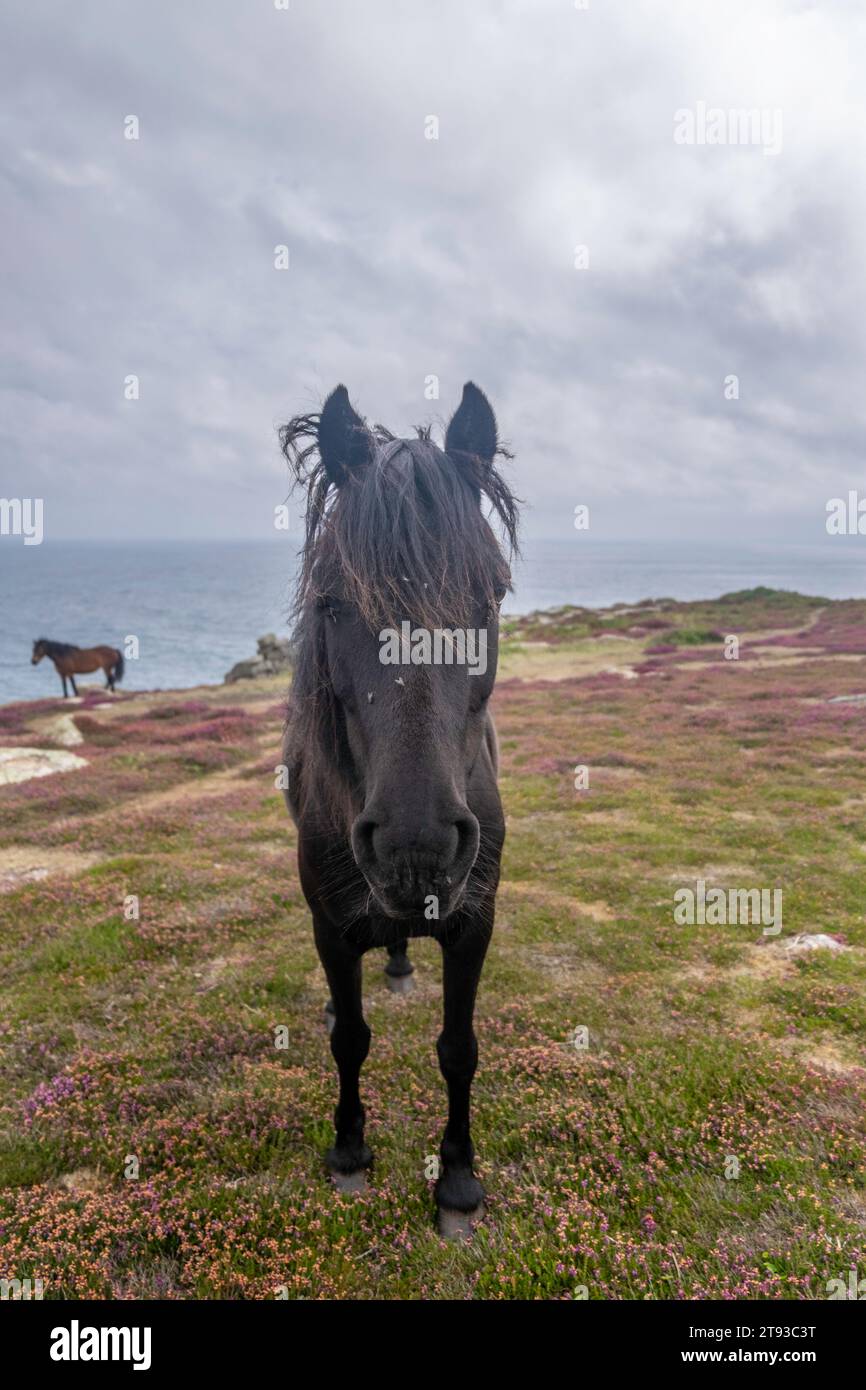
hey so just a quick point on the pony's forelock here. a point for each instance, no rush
(404, 536)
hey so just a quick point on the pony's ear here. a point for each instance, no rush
(345, 444)
(473, 426)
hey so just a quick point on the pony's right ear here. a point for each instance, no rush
(345, 443)
(473, 426)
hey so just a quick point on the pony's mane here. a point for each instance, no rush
(55, 648)
(404, 536)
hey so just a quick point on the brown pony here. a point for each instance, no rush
(71, 661)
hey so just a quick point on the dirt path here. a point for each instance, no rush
(20, 864)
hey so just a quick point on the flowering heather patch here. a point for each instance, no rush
(839, 627)
(708, 1142)
(93, 699)
(130, 758)
(650, 625)
(179, 711)
(16, 720)
(221, 726)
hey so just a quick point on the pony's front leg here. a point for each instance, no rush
(399, 968)
(459, 1194)
(350, 1043)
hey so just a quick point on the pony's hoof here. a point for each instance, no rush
(348, 1167)
(400, 984)
(458, 1225)
(459, 1201)
(350, 1183)
(398, 965)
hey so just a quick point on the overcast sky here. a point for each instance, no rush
(412, 257)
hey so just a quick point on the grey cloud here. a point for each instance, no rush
(412, 257)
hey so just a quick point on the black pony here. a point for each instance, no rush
(392, 760)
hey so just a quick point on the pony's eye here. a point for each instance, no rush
(328, 606)
(493, 608)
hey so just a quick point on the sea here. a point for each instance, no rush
(197, 607)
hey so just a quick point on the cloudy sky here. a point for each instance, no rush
(453, 257)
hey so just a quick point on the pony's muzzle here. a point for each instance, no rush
(420, 869)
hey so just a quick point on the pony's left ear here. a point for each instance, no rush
(473, 426)
(345, 443)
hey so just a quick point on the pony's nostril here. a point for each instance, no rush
(468, 836)
(363, 831)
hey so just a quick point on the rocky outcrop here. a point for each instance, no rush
(64, 730)
(813, 941)
(20, 764)
(274, 656)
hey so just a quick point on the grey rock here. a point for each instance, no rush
(275, 650)
(274, 656)
(245, 671)
(813, 941)
(20, 764)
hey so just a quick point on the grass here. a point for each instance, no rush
(157, 1140)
